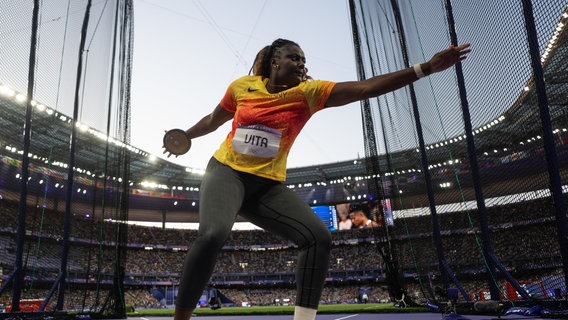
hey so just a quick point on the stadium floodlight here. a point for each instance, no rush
(81, 126)
(20, 97)
(195, 171)
(6, 91)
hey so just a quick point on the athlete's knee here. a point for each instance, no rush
(321, 240)
(213, 238)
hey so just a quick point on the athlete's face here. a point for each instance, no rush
(289, 66)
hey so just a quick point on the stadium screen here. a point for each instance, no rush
(328, 215)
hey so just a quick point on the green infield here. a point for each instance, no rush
(334, 308)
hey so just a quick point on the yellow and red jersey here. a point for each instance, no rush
(266, 124)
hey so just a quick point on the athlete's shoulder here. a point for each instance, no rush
(246, 79)
(244, 82)
(316, 84)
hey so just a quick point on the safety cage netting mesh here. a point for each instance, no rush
(64, 96)
(492, 232)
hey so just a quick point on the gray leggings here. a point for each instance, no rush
(268, 204)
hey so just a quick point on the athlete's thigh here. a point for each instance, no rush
(281, 211)
(221, 195)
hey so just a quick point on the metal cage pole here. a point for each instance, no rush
(445, 270)
(548, 137)
(17, 276)
(492, 261)
(393, 275)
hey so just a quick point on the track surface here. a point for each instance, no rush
(352, 316)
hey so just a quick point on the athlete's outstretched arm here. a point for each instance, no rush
(351, 91)
(209, 123)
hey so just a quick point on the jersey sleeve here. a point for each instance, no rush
(229, 101)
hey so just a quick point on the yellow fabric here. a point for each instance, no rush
(286, 111)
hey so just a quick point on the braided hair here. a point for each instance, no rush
(261, 65)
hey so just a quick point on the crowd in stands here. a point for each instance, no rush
(523, 236)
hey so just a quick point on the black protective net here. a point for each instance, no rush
(64, 96)
(492, 232)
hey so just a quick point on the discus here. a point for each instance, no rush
(176, 142)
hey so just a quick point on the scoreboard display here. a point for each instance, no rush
(328, 215)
